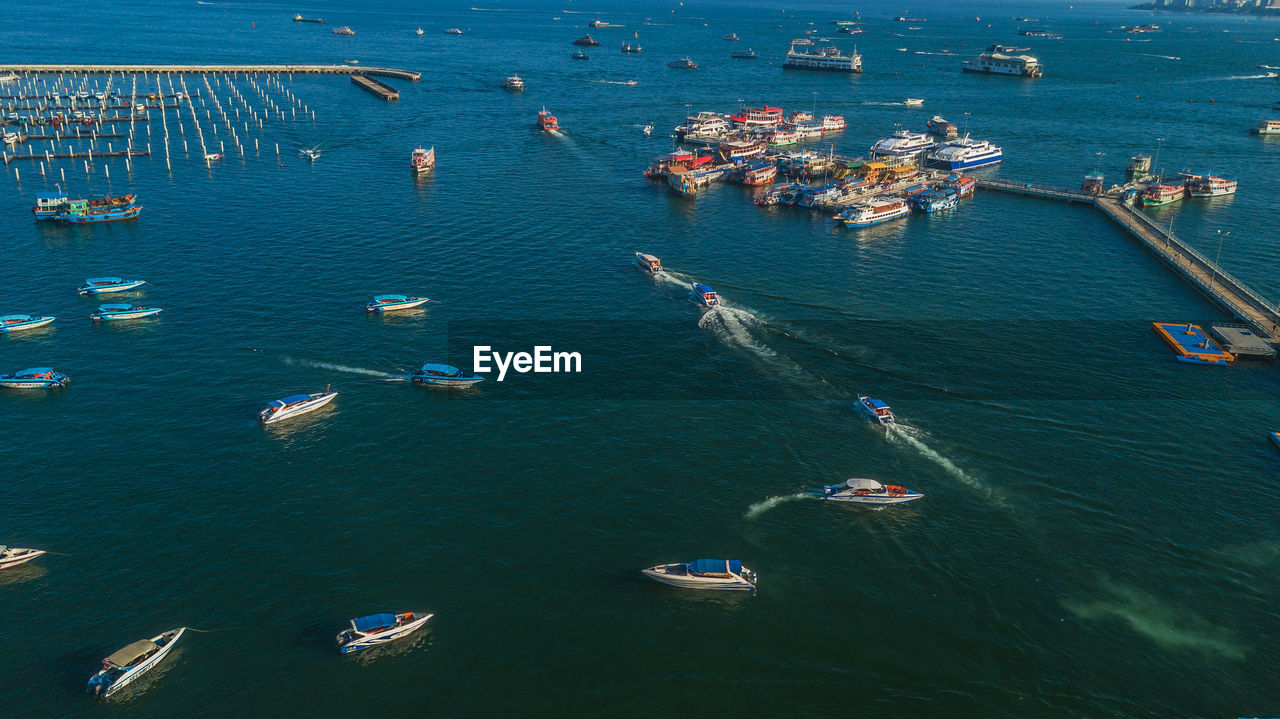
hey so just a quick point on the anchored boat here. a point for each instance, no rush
(34, 378)
(445, 376)
(81, 211)
(942, 128)
(875, 409)
(1161, 194)
(722, 574)
(104, 285)
(934, 200)
(50, 204)
(704, 295)
(121, 668)
(963, 154)
(868, 491)
(294, 405)
(873, 212)
(123, 312)
(377, 629)
(13, 556)
(649, 263)
(391, 303)
(422, 160)
(683, 63)
(17, 323)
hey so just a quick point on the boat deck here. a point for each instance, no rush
(1191, 343)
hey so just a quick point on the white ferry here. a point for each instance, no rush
(902, 143)
(964, 153)
(832, 123)
(704, 124)
(999, 63)
(826, 58)
(873, 212)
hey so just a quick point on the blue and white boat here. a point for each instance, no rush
(933, 200)
(861, 490)
(34, 378)
(104, 285)
(126, 665)
(902, 143)
(295, 404)
(703, 295)
(17, 323)
(445, 376)
(377, 629)
(875, 410)
(391, 303)
(964, 153)
(110, 312)
(721, 574)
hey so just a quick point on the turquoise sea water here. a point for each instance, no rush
(1099, 532)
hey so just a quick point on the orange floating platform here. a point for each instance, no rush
(1191, 343)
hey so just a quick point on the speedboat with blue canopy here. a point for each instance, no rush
(445, 375)
(378, 629)
(296, 404)
(17, 323)
(391, 303)
(35, 378)
(126, 665)
(861, 490)
(123, 312)
(875, 409)
(704, 295)
(104, 285)
(723, 574)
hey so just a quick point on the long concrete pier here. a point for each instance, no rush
(215, 69)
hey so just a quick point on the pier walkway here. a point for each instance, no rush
(215, 69)
(1022, 188)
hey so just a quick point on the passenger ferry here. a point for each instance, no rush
(1210, 185)
(513, 83)
(998, 63)
(758, 117)
(940, 127)
(874, 212)
(422, 160)
(1161, 194)
(930, 201)
(833, 123)
(704, 124)
(649, 263)
(547, 122)
(758, 174)
(781, 137)
(704, 295)
(964, 153)
(740, 150)
(902, 143)
(1267, 127)
(827, 58)
(683, 63)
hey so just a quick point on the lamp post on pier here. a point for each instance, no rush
(1214, 274)
(1156, 165)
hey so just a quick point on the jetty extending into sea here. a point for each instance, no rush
(213, 69)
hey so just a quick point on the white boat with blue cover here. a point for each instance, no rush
(875, 409)
(13, 556)
(964, 153)
(17, 323)
(120, 311)
(104, 285)
(377, 629)
(391, 303)
(126, 665)
(721, 574)
(445, 376)
(704, 295)
(295, 404)
(34, 378)
(861, 490)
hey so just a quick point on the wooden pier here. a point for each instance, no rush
(377, 87)
(1029, 190)
(213, 69)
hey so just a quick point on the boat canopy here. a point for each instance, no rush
(291, 399)
(877, 403)
(34, 372)
(132, 653)
(861, 483)
(715, 566)
(374, 622)
(115, 308)
(704, 289)
(390, 298)
(103, 281)
(16, 318)
(46, 196)
(441, 369)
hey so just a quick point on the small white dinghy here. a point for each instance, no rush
(296, 404)
(861, 490)
(13, 556)
(121, 668)
(378, 629)
(724, 574)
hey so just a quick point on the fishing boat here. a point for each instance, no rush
(902, 143)
(391, 303)
(579, 55)
(587, 41)
(444, 375)
(376, 629)
(747, 54)
(875, 410)
(873, 212)
(34, 378)
(913, 102)
(422, 160)
(513, 83)
(649, 263)
(1210, 185)
(547, 122)
(18, 323)
(80, 211)
(13, 556)
(50, 204)
(632, 47)
(1162, 193)
(964, 153)
(121, 668)
(1092, 184)
(111, 312)
(722, 574)
(344, 30)
(930, 201)
(683, 63)
(453, 31)
(942, 128)
(860, 490)
(294, 405)
(105, 285)
(704, 295)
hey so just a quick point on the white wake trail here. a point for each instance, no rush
(341, 368)
(763, 506)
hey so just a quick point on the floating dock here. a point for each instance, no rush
(1191, 344)
(377, 87)
(1242, 341)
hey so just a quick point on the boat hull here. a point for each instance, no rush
(128, 213)
(31, 383)
(269, 417)
(685, 581)
(1148, 202)
(446, 381)
(107, 289)
(16, 556)
(134, 672)
(349, 642)
(395, 306)
(859, 224)
(850, 498)
(31, 325)
(132, 315)
(966, 164)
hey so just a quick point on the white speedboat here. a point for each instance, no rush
(649, 263)
(295, 404)
(392, 303)
(13, 556)
(311, 154)
(104, 285)
(913, 102)
(875, 410)
(860, 490)
(723, 574)
(122, 667)
(378, 629)
(17, 323)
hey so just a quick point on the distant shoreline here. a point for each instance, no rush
(1168, 6)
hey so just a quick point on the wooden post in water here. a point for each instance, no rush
(63, 170)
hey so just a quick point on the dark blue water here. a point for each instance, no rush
(1099, 533)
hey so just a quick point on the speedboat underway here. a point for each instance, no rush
(579, 55)
(704, 295)
(17, 323)
(875, 410)
(547, 122)
(391, 303)
(104, 285)
(310, 153)
(295, 404)
(913, 102)
(964, 153)
(902, 143)
(13, 556)
(123, 312)
(868, 491)
(649, 263)
(445, 376)
(939, 126)
(422, 160)
(34, 378)
(453, 31)
(724, 574)
(121, 668)
(378, 629)
(747, 54)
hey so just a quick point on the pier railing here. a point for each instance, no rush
(1023, 188)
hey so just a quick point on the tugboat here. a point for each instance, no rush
(513, 83)
(587, 41)
(34, 378)
(683, 63)
(649, 263)
(444, 375)
(547, 122)
(875, 410)
(18, 323)
(704, 295)
(422, 160)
